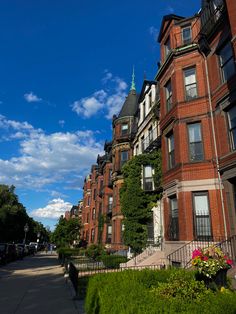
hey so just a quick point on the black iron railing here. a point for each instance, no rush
(182, 256)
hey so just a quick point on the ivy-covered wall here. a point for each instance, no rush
(136, 204)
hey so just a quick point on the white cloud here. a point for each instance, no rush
(88, 106)
(46, 159)
(61, 123)
(170, 9)
(154, 32)
(108, 101)
(31, 97)
(54, 209)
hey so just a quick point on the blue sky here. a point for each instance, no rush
(65, 69)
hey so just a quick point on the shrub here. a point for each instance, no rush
(94, 251)
(152, 292)
(181, 285)
(113, 261)
(65, 252)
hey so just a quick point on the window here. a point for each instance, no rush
(201, 216)
(137, 149)
(190, 83)
(100, 208)
(87, 218)
(144, 110)
(186, 35)
(94, 194)
(101, 188)
(142, 144)
(232, 126)
(150, 99)
(88, 201)
(226, 59)
(110, 203)
(195, 142)
(124, 129)
(150, 134)
(148, 184)
(174, 219)
(110, 177)
(167, 47)
(109, 233)
(171, 150)
(168, 90)
(94, 214)
(92, 235)
(123, 157)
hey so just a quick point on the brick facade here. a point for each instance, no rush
(197, 127)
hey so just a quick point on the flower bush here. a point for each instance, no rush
(210, 260)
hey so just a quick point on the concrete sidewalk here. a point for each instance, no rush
(36, 285)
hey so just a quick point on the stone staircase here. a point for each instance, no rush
(149, 257)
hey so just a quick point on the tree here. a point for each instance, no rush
(136, 204)
(66, 231)
(13, 217)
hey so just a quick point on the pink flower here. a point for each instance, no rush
(229, 262)
(196, 253)
(205, 258)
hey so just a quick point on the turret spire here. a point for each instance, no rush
(133, 82)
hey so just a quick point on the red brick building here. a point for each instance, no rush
(197, 84)
(197, 88)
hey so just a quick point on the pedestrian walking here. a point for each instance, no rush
(46, 249)
(51, 247)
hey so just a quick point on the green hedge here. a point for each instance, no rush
(113, 261)
(151, 292)
(64, 252)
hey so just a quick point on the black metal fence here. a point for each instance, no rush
(182, 256)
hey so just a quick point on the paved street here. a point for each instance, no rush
(35, 285)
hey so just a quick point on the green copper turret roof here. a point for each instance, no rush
(133, 81)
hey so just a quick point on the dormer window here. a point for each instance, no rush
(167, 47)
(186, 35)
(124, 129)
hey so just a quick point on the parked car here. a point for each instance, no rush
(32, 249)
(3, 253)
(35, 244)
(11, 253)
(20, 250)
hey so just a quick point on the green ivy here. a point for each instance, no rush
(136, 204)
(101, 221)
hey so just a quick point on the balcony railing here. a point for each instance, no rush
(149, 142)
(210, 15)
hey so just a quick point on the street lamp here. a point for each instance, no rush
(26, 229)
(38, 236)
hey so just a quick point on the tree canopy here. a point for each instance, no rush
(66, 231)
(13, 217)
(136, 204)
